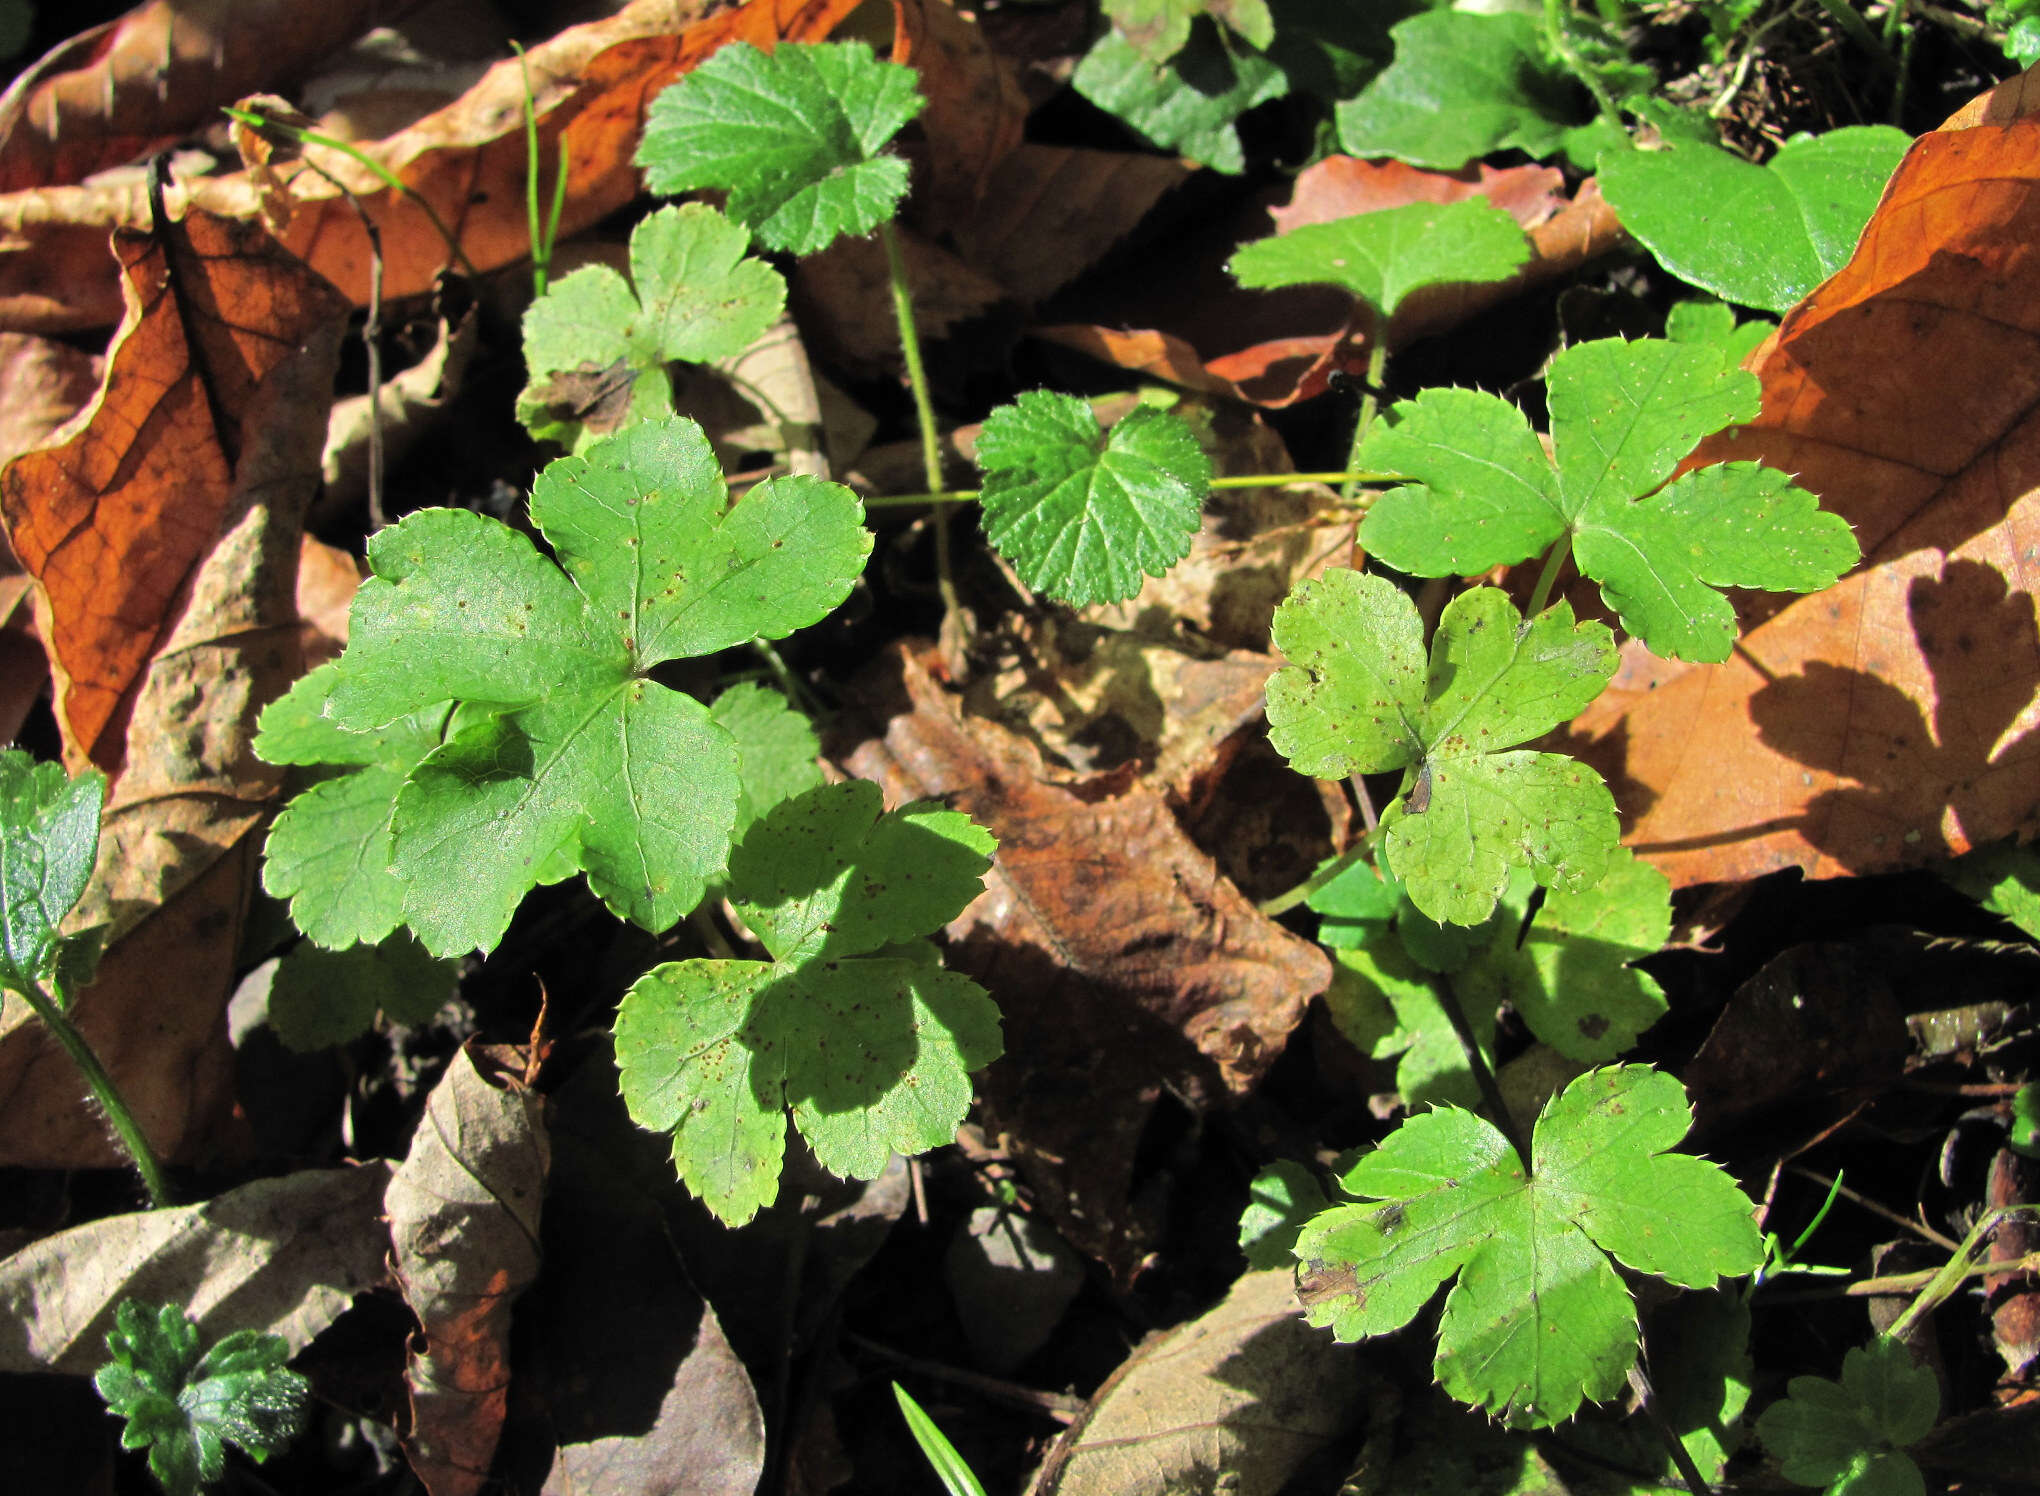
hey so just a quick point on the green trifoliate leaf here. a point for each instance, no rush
(1084, 514)
(1761, 236)
(1383, 256)
(49, 839)
(580, 760)
(1848, 1435)
(1539, 1319)
(1157, 29)
(1623, 416)
(319, 998)
(1463, 85)
(185, 1408)
(853, 1023)
(796, 137)
(698, 297)
(1569, 976)
(329, 850)
(776, 748)
(1355, 699)
(1188, 104)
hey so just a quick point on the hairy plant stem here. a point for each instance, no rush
(1561, 46)
(1548, 578)
(924, 415)
(1247, 480)
(1370, 406)
(1282, 903)
(104, 1092)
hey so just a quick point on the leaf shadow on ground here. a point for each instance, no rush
(1965, 623)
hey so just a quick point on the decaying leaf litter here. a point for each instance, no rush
(459, 1227)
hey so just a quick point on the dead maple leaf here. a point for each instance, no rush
(118, 92)
(1288, 344)
(1126, 965)
(1890, 720)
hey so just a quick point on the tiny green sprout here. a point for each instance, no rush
(957, 1478)
(1539, 1319)
(185, 1408)
(1850, 1436)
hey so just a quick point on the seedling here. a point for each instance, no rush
(1539, 1319)
(185, 1408)
(852, 1022)
(1850, 1436)
(554, 751)
(1623, 416)
(49, 841)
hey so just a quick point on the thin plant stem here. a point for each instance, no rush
(1948, 1277)
(924, 414)
(1548, 578)
(1682, 1459)
(388, 178)
(129, 1131)
(1370, 405)
(1246, 480)
(1903, 1283)
(1846, 16)
(542, 235)
(1561, 45)
(1282, 903)
(1483, 1077)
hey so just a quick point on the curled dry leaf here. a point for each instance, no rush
(1125, 963)
(284, 1256)
(1890, 720)
(1247, 1388)
(591, 86)
(165, 68)
(464, 1220)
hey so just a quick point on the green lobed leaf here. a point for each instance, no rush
(1350, 702)
(49, 840)
(698, 297)
(1389, 1007)
(1762, 236)
(1280, 1202)
(1463, 85)
(1157, 29)
(853, 1024)
(1189, 104)
(185, 1408)
(1847, 1435)
(319, 998)
(1704, 320)
(1085, 514)
(796, 137)
(571, 758)
(1623, 416)
(1569, 976)
(1383, 256)
(1538, 1319)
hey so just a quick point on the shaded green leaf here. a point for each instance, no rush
(1158, 29)
(1280, 1202)
(49, 840)
(319, 998)
(777, 754)
(1188, 104)
(1848, 1435)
